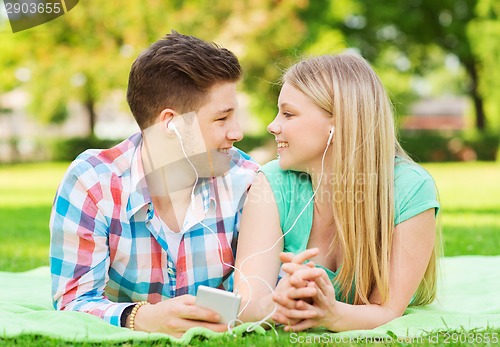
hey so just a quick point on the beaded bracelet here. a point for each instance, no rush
(134, 312)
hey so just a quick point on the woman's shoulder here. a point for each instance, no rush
(275, 174)
(287, 185)
(272, 167)
(408, 172)
(414, 190)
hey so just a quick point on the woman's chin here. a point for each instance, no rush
(284, 164)
(281, 163)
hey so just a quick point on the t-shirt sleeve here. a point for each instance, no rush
(415, 192)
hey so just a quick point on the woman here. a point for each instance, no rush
(355, 213)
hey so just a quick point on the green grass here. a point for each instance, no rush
(26, 194)
(469, 194)
(434, 338)
(470, 205)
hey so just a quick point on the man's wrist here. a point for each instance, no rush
(125, 314)
(132, 318)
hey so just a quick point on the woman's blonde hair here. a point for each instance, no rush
(365, 146)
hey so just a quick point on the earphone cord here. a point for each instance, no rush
(243, 277)
(254, 325)
(301, 212)
(194, 169)
(221, 257)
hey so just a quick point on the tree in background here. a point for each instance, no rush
(484, 31)
(416, 28)
(402, 39)
(87, 53)
(266, 35)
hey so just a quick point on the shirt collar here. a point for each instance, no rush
(139, 192)
(206, 190)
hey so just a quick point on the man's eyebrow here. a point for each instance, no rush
(226, 110)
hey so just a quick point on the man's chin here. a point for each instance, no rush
(213, 164)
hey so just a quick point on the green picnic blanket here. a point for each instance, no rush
(468, 298)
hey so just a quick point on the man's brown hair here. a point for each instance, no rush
(176, 72)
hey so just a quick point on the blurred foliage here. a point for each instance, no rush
(251, 142)
(484, 31)
(418, 47)
(419, 35)
(69, 149)
(434, 146)
(87, 53)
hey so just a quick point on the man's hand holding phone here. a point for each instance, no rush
(175, 316)
(226, 304)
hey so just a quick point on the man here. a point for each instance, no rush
(135, 229)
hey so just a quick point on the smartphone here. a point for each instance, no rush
(226, 304)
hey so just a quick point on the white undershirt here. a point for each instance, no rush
(173, 241)
(174, 238)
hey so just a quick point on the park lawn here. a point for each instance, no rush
(469, 195)
(470, 205)
(26, 195)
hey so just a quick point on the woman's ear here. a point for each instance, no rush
(330, 137)
(332, 130)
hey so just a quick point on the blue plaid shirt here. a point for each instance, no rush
(108, 246)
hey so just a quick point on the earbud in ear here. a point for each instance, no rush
(171, 126)
(332, 131)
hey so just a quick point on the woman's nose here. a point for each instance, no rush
(274, 128)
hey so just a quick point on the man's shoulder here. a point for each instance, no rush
(93, 164)
(116, 160)
(241, 161)
(242, 172)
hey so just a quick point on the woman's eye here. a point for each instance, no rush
(222, 119)
(287, 114)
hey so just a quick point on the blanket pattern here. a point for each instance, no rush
(468, 298)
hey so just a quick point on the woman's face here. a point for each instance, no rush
(301, 130)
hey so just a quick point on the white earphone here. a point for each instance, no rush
(332, 131)
(171, 126)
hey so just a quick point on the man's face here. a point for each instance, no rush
(219, 127)
(203, 137)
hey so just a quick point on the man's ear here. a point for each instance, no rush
(164, 118)
(166, 115)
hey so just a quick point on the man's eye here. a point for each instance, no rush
(222, 119)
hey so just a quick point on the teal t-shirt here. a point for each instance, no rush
(414, 191)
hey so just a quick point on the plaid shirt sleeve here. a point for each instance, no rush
(91, 226)
(79, 255)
